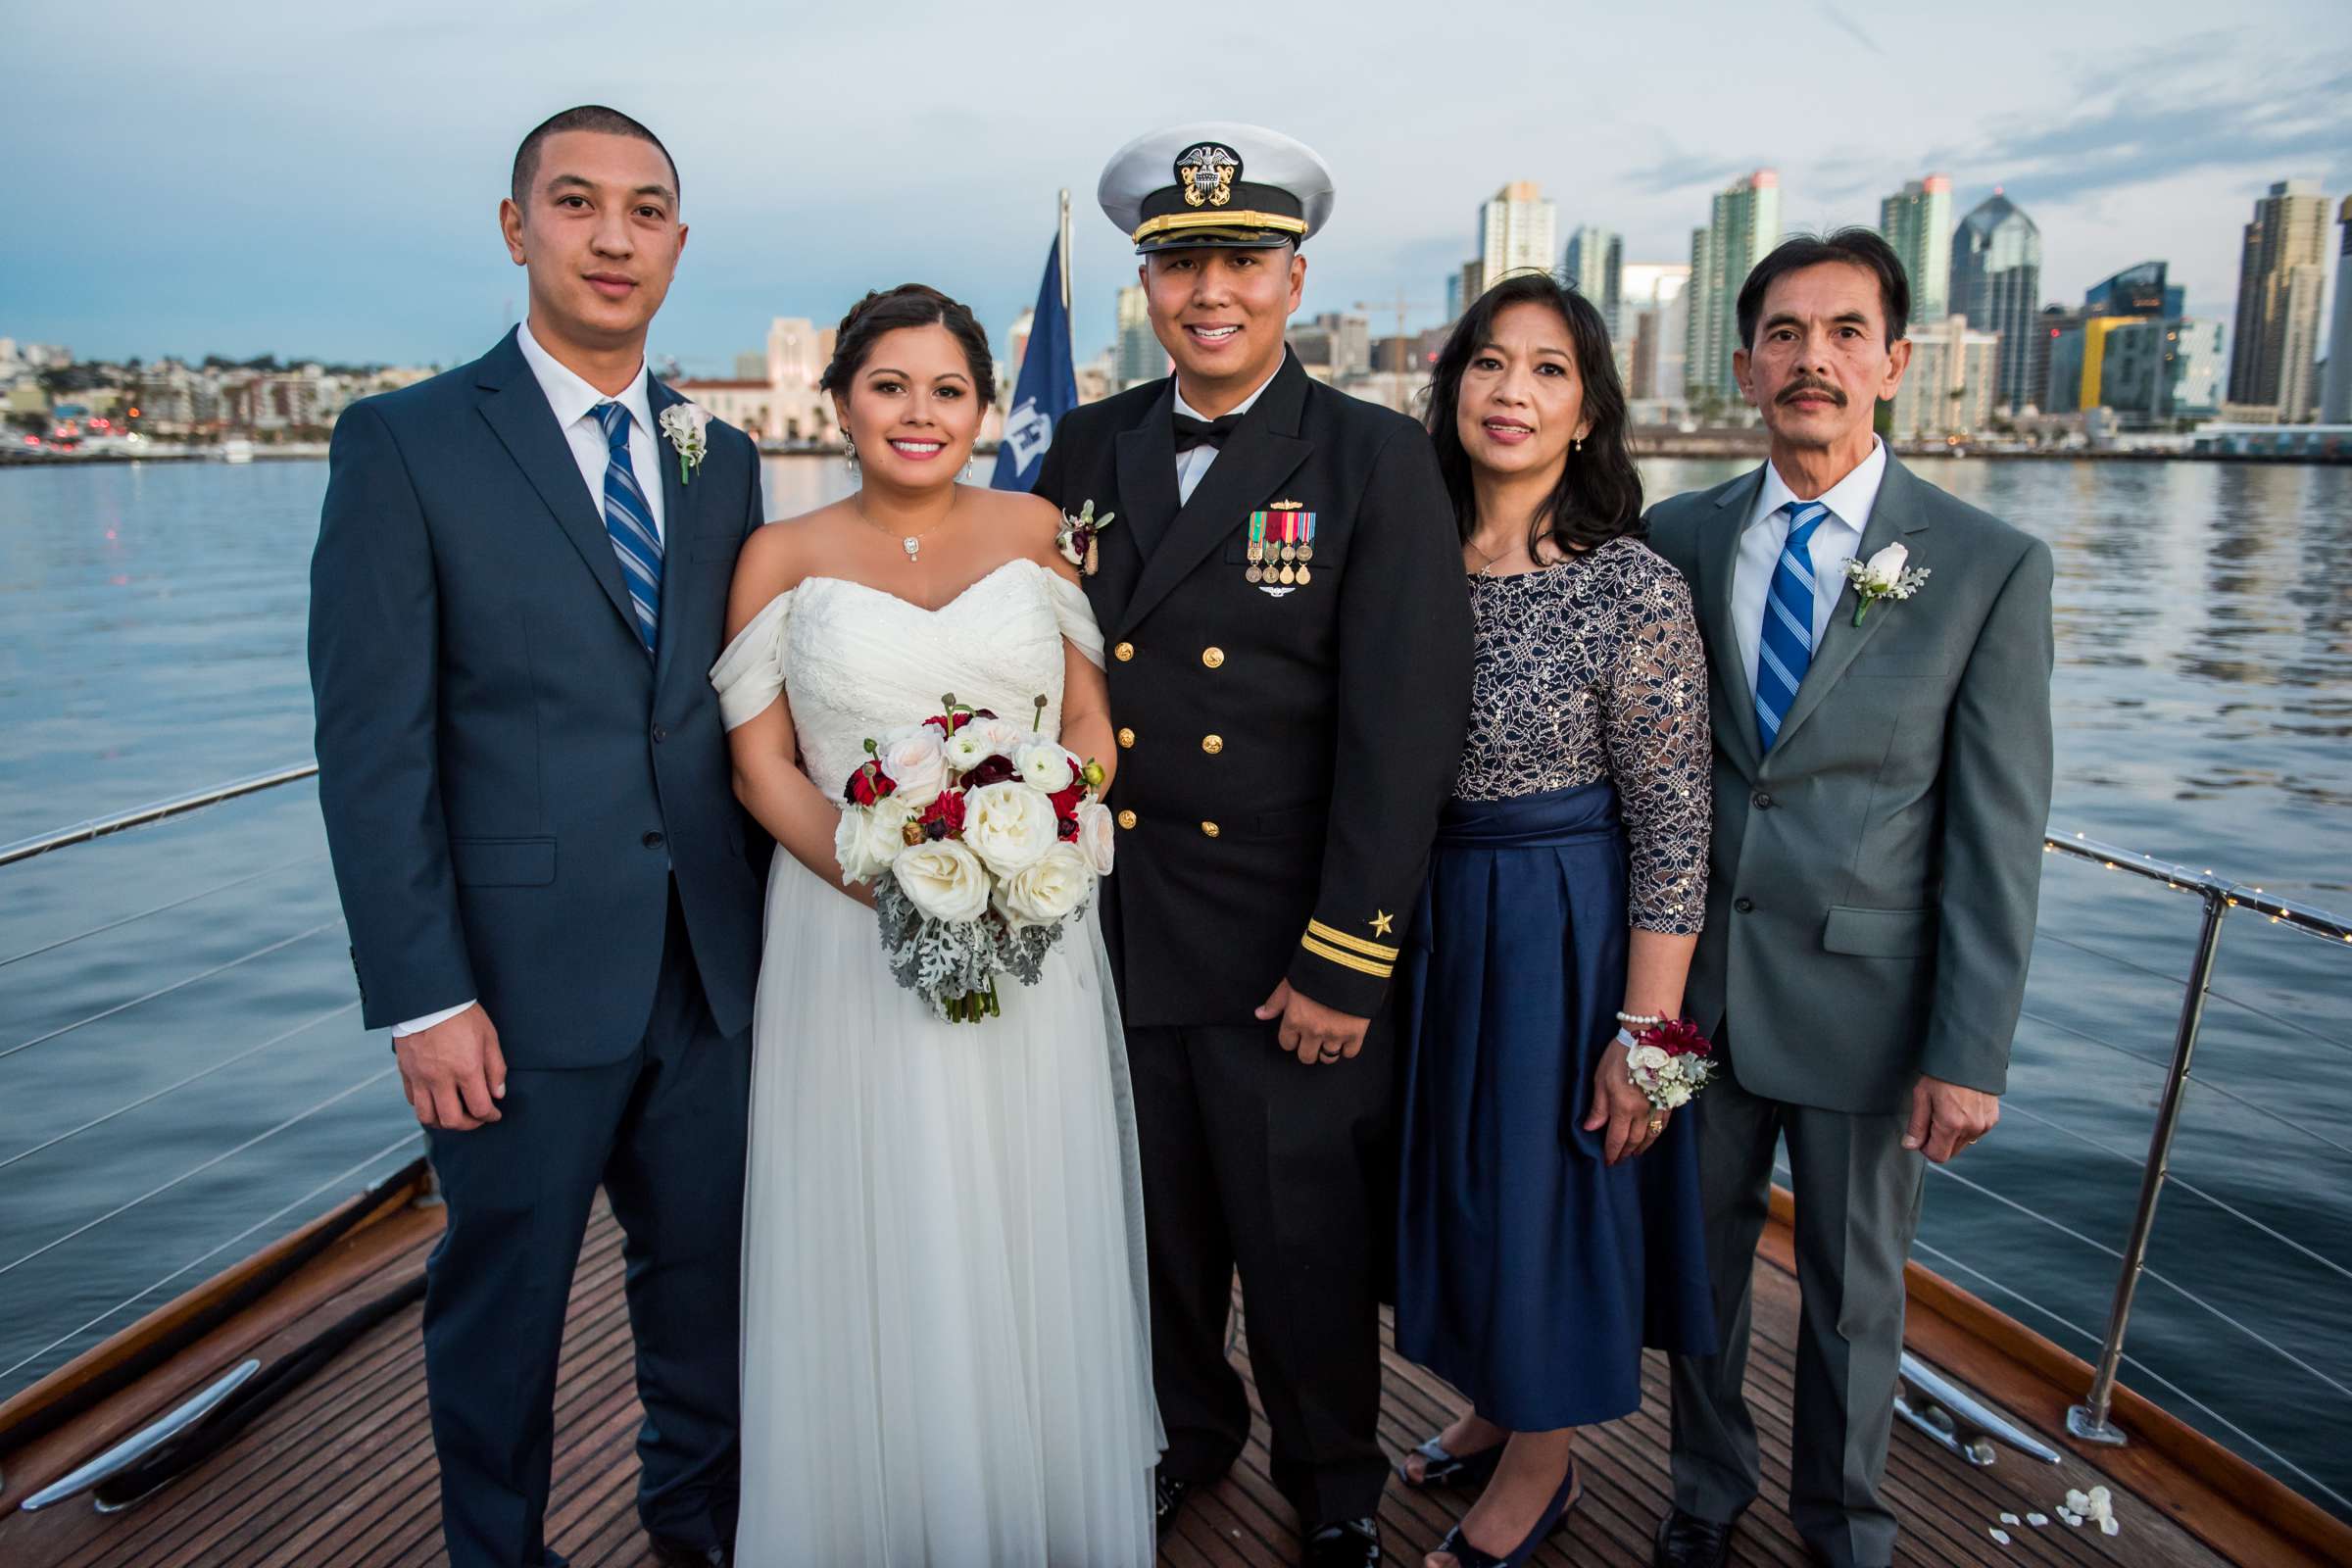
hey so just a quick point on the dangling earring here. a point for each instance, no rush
(1580, 443)
(849, 452)
(967, 470)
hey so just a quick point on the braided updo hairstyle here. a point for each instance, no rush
(908, 305)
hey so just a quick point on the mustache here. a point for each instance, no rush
(1797, 389)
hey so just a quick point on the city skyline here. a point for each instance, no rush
(272, 188)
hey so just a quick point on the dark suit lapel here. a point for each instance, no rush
(1147, 473)
(1262, 452)
(1895, 513)
(678, 497)
(519, 412)
(1719, 565)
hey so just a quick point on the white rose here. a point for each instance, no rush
(1884, 569)
(1677, 1097)
(1044, 765)
(1045, 893)
(1094, 835)
(915, 763)
(1647, 1058)
(965, 749)
(1008, 826)
(1001, 737)
(943, 879)
(871, 837)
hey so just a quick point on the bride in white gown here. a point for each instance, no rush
(944, 1356)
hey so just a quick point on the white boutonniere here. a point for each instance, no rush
(1076, 537)
(684, 423)
(1883, 577)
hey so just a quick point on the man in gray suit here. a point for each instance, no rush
(1881, 785)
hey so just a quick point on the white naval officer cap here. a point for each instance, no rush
(1215, 182)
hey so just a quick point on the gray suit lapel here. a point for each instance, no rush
(1719, 564)
(1895, 513)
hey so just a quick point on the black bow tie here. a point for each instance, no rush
(1192, 432)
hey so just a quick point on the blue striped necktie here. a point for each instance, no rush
(630, 522)
(1786, 649)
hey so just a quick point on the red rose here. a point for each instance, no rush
(868, 784)
(989, 770)
(942, 818)
(1065, 801)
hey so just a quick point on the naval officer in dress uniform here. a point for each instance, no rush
(1290, 671)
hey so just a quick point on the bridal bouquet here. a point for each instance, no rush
(982, 840)
(1670, 1063)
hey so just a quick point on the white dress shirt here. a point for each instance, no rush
(573, 402)
(1192, 465)
(1835, 543)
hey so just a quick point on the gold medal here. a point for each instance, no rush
(1304, 576)
(1290, 575)
(1289, 552)
(1306, 552)
(1255, 574)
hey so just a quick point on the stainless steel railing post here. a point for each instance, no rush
(2088, 1420)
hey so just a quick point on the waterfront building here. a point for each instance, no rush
(1917, 221)
(1136, 355)
(1333, 346)
(1743, 224)
(2280, 277)
(1653, 312)
(1454, 303)
(1594, 266)
(1516, 227)
(1997, 284)
(2335, 398)
(1953, 384)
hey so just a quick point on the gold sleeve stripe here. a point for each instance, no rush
(1378, 972)
(1340, 939)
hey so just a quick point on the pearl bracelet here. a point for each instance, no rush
(1643, 1020)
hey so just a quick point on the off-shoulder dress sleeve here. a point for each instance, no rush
(748, 676)
(1075, 615)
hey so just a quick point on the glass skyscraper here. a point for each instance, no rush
(1745, 225)
(1917, 222)
(1996, 284)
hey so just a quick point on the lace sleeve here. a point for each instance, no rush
(1661, 752)
(749, 675)
(1075, 616)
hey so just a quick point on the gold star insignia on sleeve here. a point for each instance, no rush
(1382, 921)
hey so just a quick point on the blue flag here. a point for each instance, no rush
(1047, 388)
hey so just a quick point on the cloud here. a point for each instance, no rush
(1852, 30)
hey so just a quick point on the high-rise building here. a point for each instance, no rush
(1136, 356)
(1334, 345)
(1515, 234)
(1996, 284)
(2335, 401)
(1654, 304)
(1952, 385)
(1595, 267)
(2130, 351)
(1917, 222)
(1454, 303)
(2282, 273)
(1745, 223)
(1471, 284)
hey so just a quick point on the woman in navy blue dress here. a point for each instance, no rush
(1548, 1220)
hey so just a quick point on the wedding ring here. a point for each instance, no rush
(1657, 1124)
(1331, 1054)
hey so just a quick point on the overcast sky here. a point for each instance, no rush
(241, 178)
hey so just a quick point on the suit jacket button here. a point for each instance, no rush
(1126, 736)
(1212, 744)
(1209, 829)
(1760, 801)
(1126, 820)
(660, 734)
(1745, 905)
(652, 841)
(1123, 652)
(1213, 658)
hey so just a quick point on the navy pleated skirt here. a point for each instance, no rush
(1530, 1275)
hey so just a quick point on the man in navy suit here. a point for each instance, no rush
(553, 896)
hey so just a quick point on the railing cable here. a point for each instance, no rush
(279, 1038)
(113, 925)
(2199, 1080)
(198, 1170)
(343, 1175)
(2177, 981)
(176, 985)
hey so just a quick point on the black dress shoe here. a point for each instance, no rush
(1350, 1543)
(1686, 1541)
(671, 1553)
(1168, 1496)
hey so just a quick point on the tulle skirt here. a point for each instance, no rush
(946, 1351)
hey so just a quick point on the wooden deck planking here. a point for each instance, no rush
(344, 1471)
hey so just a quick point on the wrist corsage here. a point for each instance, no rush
(1670, 1061)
